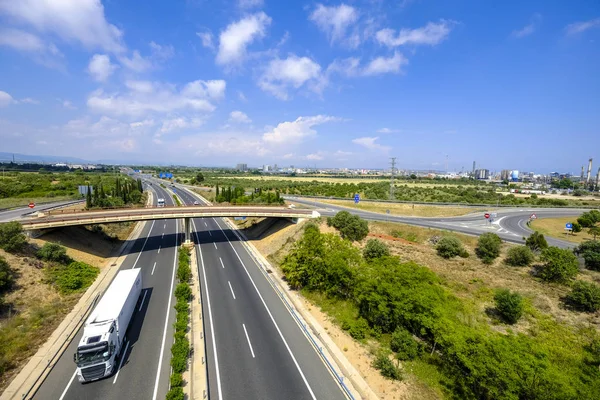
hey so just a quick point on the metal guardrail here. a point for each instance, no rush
(292, 311)
(461, 204)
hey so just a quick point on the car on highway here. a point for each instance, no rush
(196, 202)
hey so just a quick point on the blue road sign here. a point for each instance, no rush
(569, 225)
(356, 198)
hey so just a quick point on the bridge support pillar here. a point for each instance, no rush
(188, 231)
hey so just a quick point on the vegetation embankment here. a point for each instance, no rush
(585, 227)
(413, 210)
(180, 350)
(490, 321)
(38, 287)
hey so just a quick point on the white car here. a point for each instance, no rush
(196, 202)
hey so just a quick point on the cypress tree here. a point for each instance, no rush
(88, 197)
(217, 190)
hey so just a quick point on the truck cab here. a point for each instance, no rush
(160, 202)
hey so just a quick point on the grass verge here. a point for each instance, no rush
(414, 210)
(176, 199)
(555, 227)
(180, 350)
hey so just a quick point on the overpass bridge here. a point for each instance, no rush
(72, 218)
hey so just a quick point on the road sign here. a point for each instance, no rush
(387, 211)
(31, 205)
(494, 215)
(533, 216)
(356, 198)
(568, 225)
(486, 215)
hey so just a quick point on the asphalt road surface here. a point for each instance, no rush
(18, 213)
(145, 369)
(255, 349)
(510, 223)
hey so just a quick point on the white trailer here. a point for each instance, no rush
(104, 331)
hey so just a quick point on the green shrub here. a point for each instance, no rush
(404, 345)
(585, 296)
(54, 252)
(519, 256)
(594, 231)
(73, 277)
(183, 291)
(386, 367)
(12, 239)
(586, 220)
(590, 251)
(509, 305)
(375, 249)
(176, 380)
(182, 306)
(576, 227)
(6, 275)
(175, 393)
(488, 247)
(180, 352)
(536, 242)
(560, 265)
(351, 227)
(449, 247)
(359, 329)
(181, 322)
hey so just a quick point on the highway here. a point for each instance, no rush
(145, 368)
(255, 349)
(510, 223)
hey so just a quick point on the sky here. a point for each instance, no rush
(510, 85)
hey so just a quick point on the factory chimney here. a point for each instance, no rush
(598, 180)
(589, 174)
(581, 172)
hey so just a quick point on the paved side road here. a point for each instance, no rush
(255, 349)
(17, 213)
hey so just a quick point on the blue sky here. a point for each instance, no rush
(512, 85)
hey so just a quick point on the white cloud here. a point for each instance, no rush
(288, 156)
(245, 4)
(81, 21)
(173, 124)
(5, 99)
(369, 143)
(242, 96)
(136, 62)
(335, 21)
(431, 34)
(42, 52)
(161, 52)
(154, 97)
(238, 35)
(207, 39)
(235, 143)
(67, 104)
(388, 130)
(103, 127)
(29, 100)
(384, 65)
(529, 28)
(142, 124)
(293, 132)
(293, 72)
(119, 145)
(100, 67)
(341, 153)
(238, 116)
(579, 27)
(315, 156)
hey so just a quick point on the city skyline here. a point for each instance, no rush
(328, 84)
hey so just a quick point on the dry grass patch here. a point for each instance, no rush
(403, 209)
(555, 227)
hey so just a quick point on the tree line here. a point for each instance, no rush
(125, 191)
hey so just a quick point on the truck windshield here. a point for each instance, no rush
(92, 354)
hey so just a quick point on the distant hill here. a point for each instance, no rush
(8, 157)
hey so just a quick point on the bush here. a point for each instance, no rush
(560, 265)
(351, 227)
(576, 227)
(183, 291)
(54, 252)
(175, 393)
(589, 219)
(386, 366)
(12, 238)
(375, 249)
(509, 305)
(488, 247)
(594, 231)
(585, 296)
(449, 246)
(176, 380)
(536, 242)
(590, 251)
(73, 277)
(519, 256)
(6, 275)
(404, 345)
(359, 329)
(180, 351)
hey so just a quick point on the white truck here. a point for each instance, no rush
(160, 202)
(104, 331)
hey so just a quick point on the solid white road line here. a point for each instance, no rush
(205, 225)
(215, 245)
(159, 249)
(144, 245)
(233, 294)
(62, 396)
(165, 226)
(212, 328)
(271, 316)
(222, 265)
(142, 303)
(162, 346)
(153, 268)
(248, 337)
(121, 362)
